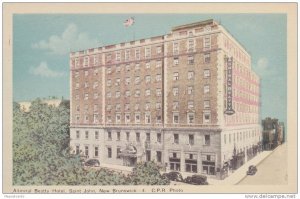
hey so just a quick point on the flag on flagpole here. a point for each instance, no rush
(129, 22)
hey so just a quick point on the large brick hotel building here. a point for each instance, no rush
(187, 100)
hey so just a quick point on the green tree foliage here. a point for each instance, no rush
(147, 173)
(41, 154)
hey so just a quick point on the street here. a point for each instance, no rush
(271, 171)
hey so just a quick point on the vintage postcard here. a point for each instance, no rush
(149, 98)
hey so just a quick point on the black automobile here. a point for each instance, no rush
(173, 176)
(92, 163)
(252, 170)
(196, 180)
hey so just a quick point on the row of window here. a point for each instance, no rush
(191, 46)
(137, 80)
(240, 136)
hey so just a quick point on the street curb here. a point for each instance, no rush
(259, 163)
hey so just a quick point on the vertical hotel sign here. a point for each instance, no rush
(229, 110)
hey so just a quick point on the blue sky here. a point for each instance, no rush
(41, 46)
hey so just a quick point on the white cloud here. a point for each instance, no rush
(69, 40)
(263, 63)
(44, 71)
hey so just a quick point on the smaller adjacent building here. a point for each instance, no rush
(273, 132)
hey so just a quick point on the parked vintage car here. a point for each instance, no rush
(92, 163)
(173, 176)
(196, 180)
(252, 170)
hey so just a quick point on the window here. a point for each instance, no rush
(86, 119)
(147, 106)
(96, 154)
(86, 96)
(206, 73)
(77, 97)
(127, 80)
(95, 84)
(86, 108)
(76, 74)
(136, 106)
(109, 153)
(137, 137)
(109, 95)
(118, 118)
(176, 61)
(86, 84)
(118, 81)
(158, 156)
(96, 135)
(76, 62)
(77, 134)
(147, 52)
(118, 152)
(118, 107)
(175, 91)
(127, 136)
(191, 45)
(148, 155)
(158, 137)
(137, 93)
(108, 83)
(206, 118)
(175, 105)
(86, 62)
(175, 48)
(206, 88)
(148, 137)
(158, 119)
(77, 108)
(147, 92)
(127, 55)
(86, 151)
(175, 118)
(191, 118)
(118, 94)
(158, 63)
(77, 117)
(175, 76)
(158, 49)
(109, 135)
(118, 56)
(137, 80)
(191, 59)
(158, 105)
(86, 135)
(118, 69)
(190, 90)
(224, 138)
(137, 118)
(148, 79)
(158, 77)
(108, 107)
(127, 107)
(190, 104)
(127, 118)
(137, 54)
(158, 92)
(207, 139)
(109, 119)
(147, 65)
(207, 42)
(207, 58)
(127, 67)
(206, 103)
(147, 118)
(95, 95)
(86, 73)
(77, 149)
(191, 139)
(127, 93)
(190, 75)
(96, 118)
(137, 66)
(96, 71)
(108, 58)
(176, 138)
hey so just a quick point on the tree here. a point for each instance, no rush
(147, 173)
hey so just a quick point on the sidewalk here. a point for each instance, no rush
(240, 173)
